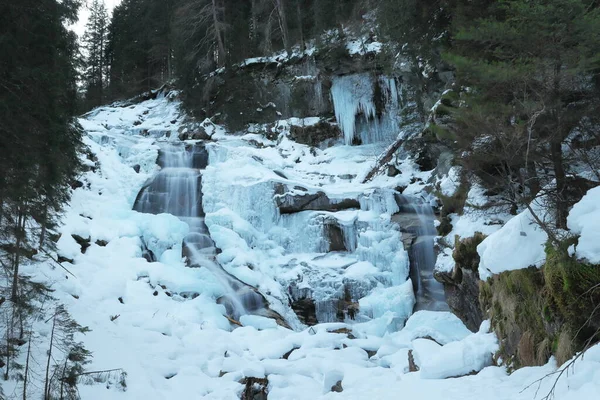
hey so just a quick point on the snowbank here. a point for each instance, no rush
(584, 220)
(518, 244)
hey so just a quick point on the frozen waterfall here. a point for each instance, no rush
(177, 190)
(376, 100)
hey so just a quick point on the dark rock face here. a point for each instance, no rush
(462, 284)
(462, 296)
(335, 235)
(306, 310)
(290, 202)
(313, 135)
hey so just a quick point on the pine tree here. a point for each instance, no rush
(95, 41)
(529, 65)
(39, 141)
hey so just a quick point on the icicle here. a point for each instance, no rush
(351, 95)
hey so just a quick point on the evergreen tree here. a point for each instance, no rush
(530, 65)
(39, 141)
(95, 41)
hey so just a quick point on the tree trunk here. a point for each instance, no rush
(8, 326)
(43, 222)
(26, 373)
(47, 381)
(20, 231)
(561, 184)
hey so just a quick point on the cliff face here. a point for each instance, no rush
(308, 83)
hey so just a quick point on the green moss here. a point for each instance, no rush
(465, 251)
(534, 311)
(441, 133)
(575, 289)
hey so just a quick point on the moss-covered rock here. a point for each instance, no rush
(462, 284)
(541, 312)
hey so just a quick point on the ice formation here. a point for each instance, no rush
(354, 95)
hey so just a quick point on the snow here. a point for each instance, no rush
(458, 358)
(160, 321)
(519, 244)
(450, 183)
(583, 220)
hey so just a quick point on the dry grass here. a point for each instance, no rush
(526, 350)
(564, 347)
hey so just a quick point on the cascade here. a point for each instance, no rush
(417, 219)
(177, 190)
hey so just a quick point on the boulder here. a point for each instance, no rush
(192, 132)
(299, 199)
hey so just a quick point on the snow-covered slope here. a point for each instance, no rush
(160, 321)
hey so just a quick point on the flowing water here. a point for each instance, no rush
(177, 190)
(418, 220)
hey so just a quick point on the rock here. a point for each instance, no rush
(314, 134)
(461, 285)
(287, 354)
(62, 259)
(412, 366)
(335, 235)
(76, 184)
(306, 310)
(192, 132)
(337, 387)
(136, 168)
(148, 255)
(289, 201)
(101, 243)
(83, 242)
(255, 388)
(392, 171)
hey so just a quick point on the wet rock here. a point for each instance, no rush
(335, 235)
(299, 199)
(461, 285)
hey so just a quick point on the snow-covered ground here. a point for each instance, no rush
(160, 322)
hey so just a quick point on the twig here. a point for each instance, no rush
(58, 262)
